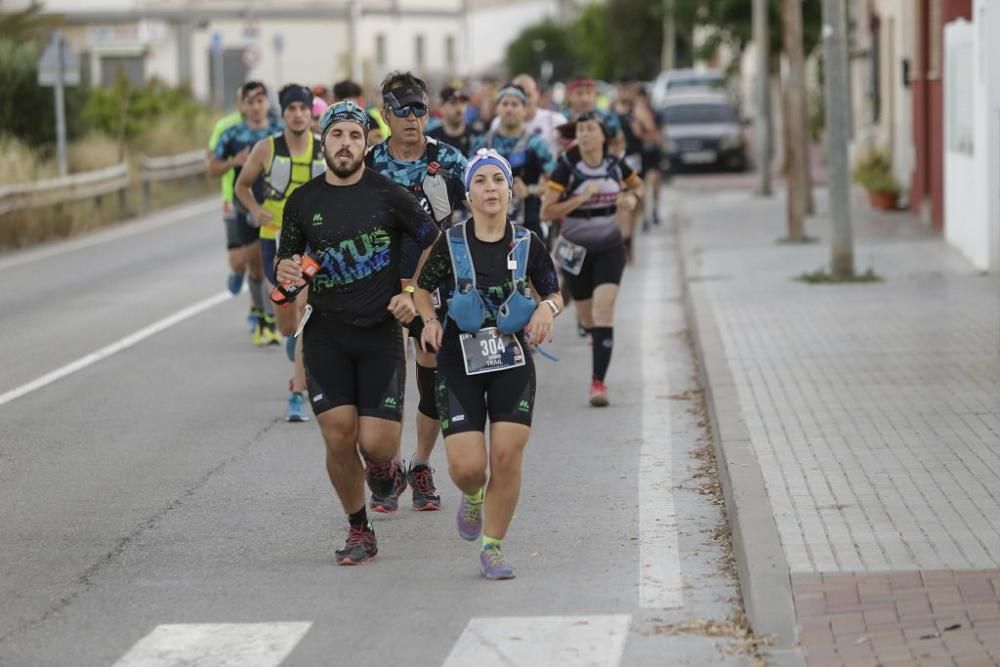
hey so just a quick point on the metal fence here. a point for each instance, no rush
(95, 184)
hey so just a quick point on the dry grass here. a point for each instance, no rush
(94, 151)
(176, 135)
(21, 164)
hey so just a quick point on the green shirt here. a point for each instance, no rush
(229, 178)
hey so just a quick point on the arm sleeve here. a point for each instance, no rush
(559, 178)
(411, 218)
(541, 270)
(292, 241)
(437, 268)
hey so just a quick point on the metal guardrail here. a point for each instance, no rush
(95, 184)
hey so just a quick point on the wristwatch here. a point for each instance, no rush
(552, 304)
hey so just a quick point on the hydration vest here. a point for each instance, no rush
(286, 173)
(466, 307)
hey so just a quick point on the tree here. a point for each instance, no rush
(590, 37)
(28, 23)
(635, 37)
(544, 42)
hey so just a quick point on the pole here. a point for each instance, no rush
(60, 106)
(795, 119)
(669, 37)
(763, 120)
(220, 86)
(837, 92)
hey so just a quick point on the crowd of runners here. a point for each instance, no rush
(464, 221)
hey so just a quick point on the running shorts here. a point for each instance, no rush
(465, 401)
(599, 268)
(239, 232)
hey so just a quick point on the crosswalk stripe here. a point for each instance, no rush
(529, 641)
(660, 585)
(215, 645)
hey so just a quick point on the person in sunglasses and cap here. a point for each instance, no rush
(453, 129)
(432, 171)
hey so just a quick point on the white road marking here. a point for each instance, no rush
(215, 645)
(155, 221)
(660, 585)
(529, 641)
(114, 348)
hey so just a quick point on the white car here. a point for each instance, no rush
(703, 130)
(684, 81)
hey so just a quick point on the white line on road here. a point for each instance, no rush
(155, 221)
(529, 641)
(114, 348)
(215, 645)
(660, 585)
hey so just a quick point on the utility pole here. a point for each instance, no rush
(795, 119)
(838, 135)
(669, 37)
(762, 130)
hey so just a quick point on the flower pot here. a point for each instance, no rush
(884, 201)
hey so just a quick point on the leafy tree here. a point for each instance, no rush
(28, 23)
(590, 37)
(539, 43)
(635, 37)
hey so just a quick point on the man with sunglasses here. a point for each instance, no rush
(432, 171)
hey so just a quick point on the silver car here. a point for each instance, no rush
(703, 130)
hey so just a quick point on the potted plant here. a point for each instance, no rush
(873, 172)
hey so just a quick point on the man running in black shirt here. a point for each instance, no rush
(352, 220)
(453, 129)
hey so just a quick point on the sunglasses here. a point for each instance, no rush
(418, 111)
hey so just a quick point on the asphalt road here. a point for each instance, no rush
(155, 508)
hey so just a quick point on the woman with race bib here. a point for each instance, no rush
(588, 188)
(488, 265)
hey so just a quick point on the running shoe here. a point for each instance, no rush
(425, 496)
(492, 565)
(598, 394)
(470, 520)
(580, 330)
(296, 408)
(252, 318)
(259, 336)
(271, 335)
(290, 348)
(387, 482)
(360, 549)
(234, 283)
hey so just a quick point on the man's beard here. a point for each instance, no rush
(349, 169)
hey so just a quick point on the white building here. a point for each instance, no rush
(307, 41)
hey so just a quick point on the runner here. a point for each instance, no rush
(588, 187)
(453, 129)
(285, 161)
(581, 95)
(236, 255)
(483, 370)
(232, 152)
(537, 120)
(527, 153)
(432, 171)
(652, 159)
(319, 107)
(352, 219)
(637, 124)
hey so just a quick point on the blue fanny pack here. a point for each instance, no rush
(466, 307)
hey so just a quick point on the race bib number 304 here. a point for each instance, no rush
(569, 256)
(488, 350)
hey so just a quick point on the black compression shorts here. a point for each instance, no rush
(350, 365)
(239, 232)
(465, 401)
(599, 268)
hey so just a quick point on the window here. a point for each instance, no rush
(380, 49)
(449, 51)
(419, 54)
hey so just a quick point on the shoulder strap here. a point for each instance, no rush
(461, 258)
(318, 149)
(521, 253)
(432, 150)
(279, 146)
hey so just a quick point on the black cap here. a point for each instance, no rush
(295, 93)
(405, 96)
(450, 94)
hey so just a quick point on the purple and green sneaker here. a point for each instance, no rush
(470, 520)
(492, 565)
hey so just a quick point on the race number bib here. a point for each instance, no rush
(569, 256)
(488, 350)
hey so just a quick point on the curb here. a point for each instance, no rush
(765, 581)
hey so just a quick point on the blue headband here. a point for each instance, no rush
(345, 110)
(484, 157)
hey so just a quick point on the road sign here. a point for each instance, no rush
(250, 56)
(48, 64)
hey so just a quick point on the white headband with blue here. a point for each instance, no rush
(484, 157)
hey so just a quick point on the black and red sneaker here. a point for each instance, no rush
(425, 496)
(387, 482)
(361, 547)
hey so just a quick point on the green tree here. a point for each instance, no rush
(540, 43)
(28, 23)
(590, 37)
(635, 37)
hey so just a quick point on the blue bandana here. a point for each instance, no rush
(484, 157)
(340, 111)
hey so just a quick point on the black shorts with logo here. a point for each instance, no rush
(599, 268)
(351, 365)
(465, 401)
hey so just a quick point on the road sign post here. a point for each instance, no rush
(59, 67)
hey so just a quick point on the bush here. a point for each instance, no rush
(873, 171)
(127, 112)
(19, 163)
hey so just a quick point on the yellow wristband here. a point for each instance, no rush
(409, 289)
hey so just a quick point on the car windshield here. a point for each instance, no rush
(695, 82)
(689, 114)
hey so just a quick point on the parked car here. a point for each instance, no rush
(703, 129)
(683, 81)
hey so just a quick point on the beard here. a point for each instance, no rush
(342, 170)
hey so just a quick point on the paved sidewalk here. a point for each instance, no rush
(873, 413)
